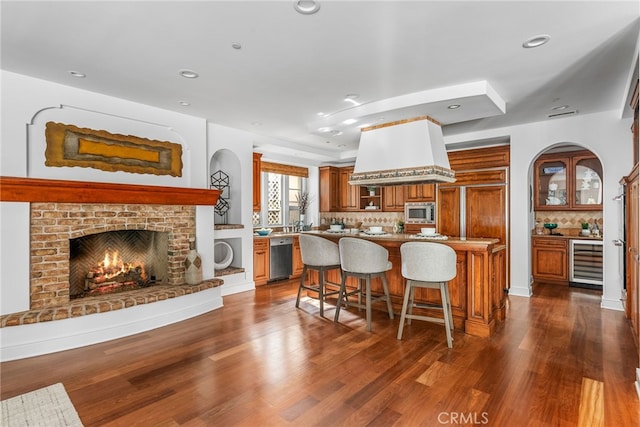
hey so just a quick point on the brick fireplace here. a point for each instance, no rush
(65, 210)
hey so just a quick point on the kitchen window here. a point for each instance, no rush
(279, 202)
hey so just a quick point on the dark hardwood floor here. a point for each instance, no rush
(558, 360)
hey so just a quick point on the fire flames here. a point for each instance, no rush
(112, 272)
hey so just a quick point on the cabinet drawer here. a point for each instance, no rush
(260, 244)
(550, 242)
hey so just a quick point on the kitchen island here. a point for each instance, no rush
(477, 291)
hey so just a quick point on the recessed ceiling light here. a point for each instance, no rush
(77, 74)
(323, 130)
(236, 45)
(453, 106)
(536, 41)
(184, 103)
(306, 7)
(189, 74)
(560, 107)
(336, 132)
(350, 121)
(351, 97)
(341, 145)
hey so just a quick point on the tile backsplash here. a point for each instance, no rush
(570, 221)
(351, 219)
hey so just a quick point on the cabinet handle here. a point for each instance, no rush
(618, 242)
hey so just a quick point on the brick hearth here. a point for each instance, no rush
(104, 303)
(64, 210)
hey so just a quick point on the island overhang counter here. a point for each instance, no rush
(477, 291)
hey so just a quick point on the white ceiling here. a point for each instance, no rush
(403, 59)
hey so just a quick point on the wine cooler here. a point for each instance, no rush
(586, 263)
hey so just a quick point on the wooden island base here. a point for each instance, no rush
(477, 291)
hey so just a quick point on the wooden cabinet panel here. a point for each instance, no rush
(479, 158)
(329, 189)
(349, 194)
(632, 303)
(298, 265)
(257, 173)
(393, 198)
(448, 217)
(550, 259)
(420, 193)
(486, 212)
(260, 261)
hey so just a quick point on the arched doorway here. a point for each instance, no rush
(567, 198)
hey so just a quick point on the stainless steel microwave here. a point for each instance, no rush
(420, 213)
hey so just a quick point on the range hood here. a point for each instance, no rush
(405, 152)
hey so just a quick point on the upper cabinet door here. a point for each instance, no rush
(588, 182)
(257, 161)
(552, 185)
(329, 189)
(568, 181)
(420, 193)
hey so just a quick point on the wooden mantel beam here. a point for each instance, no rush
(14, 189)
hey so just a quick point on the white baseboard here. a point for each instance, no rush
(18, 342)
(520, 292)
(612, 304)
(236, 288)
(638, 382)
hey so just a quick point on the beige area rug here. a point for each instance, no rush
(46, 407)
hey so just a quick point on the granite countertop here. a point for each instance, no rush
(567, 236)
(275, 234)
(404, 237)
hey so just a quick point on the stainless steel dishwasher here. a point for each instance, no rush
(280, 252)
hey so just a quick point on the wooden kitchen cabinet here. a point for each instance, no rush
(632, 234)
(632, 302)
(420, 193)
(329, 189)
(349, 194)
(260, 261)
(393, 198)
(550, 259)
(568, 181)
(298, 265)
(370, 198)
(257, 173)
(448, 211)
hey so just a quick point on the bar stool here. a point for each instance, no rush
(427, 265)
(322, 255)
(364, 260)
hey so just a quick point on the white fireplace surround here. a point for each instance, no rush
(34, 339)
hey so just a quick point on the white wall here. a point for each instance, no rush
(606, 135)
(27, 103)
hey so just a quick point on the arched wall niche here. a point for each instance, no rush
(228, 162)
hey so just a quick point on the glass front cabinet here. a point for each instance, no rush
(568, 181)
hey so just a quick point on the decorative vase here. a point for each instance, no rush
(302, 219)
(193, 265)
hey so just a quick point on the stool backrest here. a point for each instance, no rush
(428, 262)
(318, 251)
(362, 256)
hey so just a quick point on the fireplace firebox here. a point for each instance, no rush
(115, 261)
